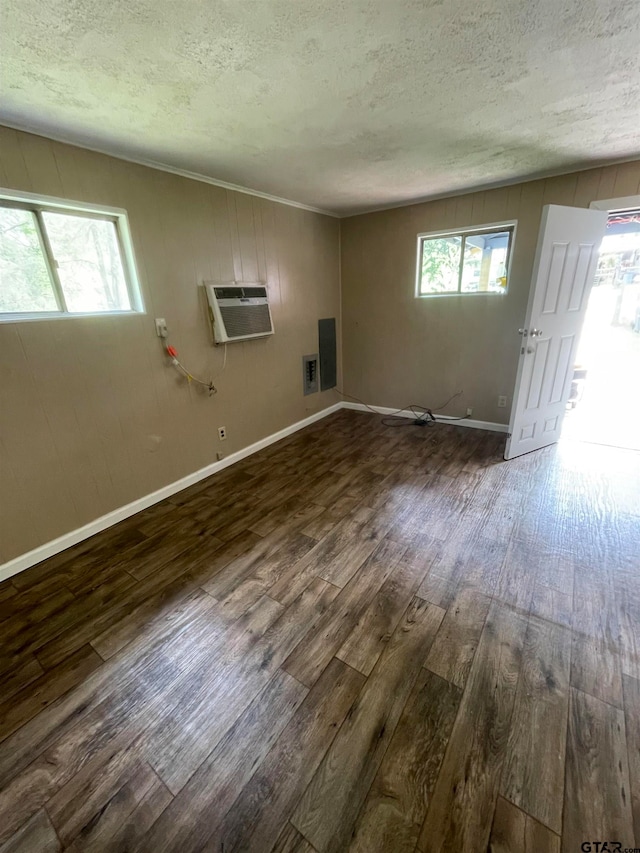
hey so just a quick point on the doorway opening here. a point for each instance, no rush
(604, 405)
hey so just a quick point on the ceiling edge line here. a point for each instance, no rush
(173, 170)
(496, 185)
(425, 199)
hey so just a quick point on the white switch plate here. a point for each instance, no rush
(161, 327)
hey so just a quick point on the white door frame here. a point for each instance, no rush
(564, 267)
(628, 202)
(609, 205)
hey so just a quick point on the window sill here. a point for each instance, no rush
(457, 293)
(64, 315)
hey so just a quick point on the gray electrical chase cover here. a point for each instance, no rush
(327, 350)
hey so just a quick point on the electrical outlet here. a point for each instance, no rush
(502, 402)
(469, 412)
(222, 433)
(161, 327)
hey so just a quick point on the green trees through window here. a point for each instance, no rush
(59, 261)
(88, 262)
(466, 262)
(25, 284)
(440, 265)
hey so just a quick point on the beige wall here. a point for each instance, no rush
(91, 416)
(398, 349)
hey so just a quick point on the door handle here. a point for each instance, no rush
(535, 333)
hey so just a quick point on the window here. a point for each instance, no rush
(470, 261)
(62, 259)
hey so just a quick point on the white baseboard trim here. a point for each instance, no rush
(25, 561)
(405, 413)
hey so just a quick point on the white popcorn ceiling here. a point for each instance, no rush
(344, 106)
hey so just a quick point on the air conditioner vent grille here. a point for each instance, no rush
(243, 320)
(239, 311)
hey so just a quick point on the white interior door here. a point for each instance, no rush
(564, 269)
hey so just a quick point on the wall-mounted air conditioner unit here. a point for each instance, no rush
(239, 311)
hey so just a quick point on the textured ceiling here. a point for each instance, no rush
(344, 106)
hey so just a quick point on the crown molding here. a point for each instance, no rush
(496, 185)
(165, 167)
(392, 205)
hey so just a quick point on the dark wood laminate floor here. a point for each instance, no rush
(361, 639)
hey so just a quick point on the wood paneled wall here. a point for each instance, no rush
(91, 415)
(398, 349)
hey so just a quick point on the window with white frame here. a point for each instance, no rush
(59, 258)
(472, 260)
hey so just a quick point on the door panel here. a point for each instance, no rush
(579, 288)
(562, 368)
(554, 278)
(564, 269)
